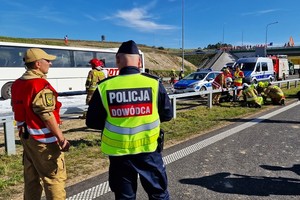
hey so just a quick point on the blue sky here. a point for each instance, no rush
(155, 22)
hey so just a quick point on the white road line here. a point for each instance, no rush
(103, 188)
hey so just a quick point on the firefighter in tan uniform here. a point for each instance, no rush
(96, 74)
(36, 110)
(251, 96)
(273, 92)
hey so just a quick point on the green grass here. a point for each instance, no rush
(193, 118)
(84, 156)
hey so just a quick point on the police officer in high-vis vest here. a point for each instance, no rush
(129, 108)
(36, 111)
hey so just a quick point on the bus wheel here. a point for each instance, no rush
(6, 90)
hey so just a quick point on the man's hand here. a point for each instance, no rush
(64, 145)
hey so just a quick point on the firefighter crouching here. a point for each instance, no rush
(273, 92)
(251, 97)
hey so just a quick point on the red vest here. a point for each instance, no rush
(23, 94)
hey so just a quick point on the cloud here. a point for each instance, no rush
(139, 19)
(260, 12)
(91, 17)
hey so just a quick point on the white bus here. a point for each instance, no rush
(68, 72)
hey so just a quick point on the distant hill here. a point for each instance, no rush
(156, 59)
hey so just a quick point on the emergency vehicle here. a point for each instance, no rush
(281, 67)
(196, 81)
(256, 69)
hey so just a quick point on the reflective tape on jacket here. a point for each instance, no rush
(132, 124)
(131, 131)
(43, 135)
(129, 144)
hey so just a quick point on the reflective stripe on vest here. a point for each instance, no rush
(41, 135)
(132, 124)
(129, 144)
(131, 131)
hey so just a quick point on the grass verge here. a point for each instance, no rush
(85, 159)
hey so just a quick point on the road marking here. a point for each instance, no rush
(103, 188)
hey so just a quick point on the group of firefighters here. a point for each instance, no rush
(253, 95)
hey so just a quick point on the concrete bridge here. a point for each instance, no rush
(289, 51)
(230, 55)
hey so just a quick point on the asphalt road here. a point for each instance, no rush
(257, 158)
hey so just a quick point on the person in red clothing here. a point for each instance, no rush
(219, 83)
(36, 111)
(66, 40)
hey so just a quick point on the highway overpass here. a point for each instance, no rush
(228, 55)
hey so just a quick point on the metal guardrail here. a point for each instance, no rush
(9, 134)
(209, 94)
(8, 121)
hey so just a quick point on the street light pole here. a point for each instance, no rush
(266, 42)
(182, 68)
(223, 34)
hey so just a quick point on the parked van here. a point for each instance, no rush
(256, 69)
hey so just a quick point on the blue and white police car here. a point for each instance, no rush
(196, 81)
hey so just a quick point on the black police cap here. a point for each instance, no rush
(128, 47)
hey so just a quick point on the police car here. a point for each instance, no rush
(196, 81)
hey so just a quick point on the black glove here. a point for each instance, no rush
(25, 133)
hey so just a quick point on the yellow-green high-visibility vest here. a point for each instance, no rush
(132, 125)
(238, 78)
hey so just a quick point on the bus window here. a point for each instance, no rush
(82, 58)
(11, 57)
(108, 58)
(61, 77)
(63, 58)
